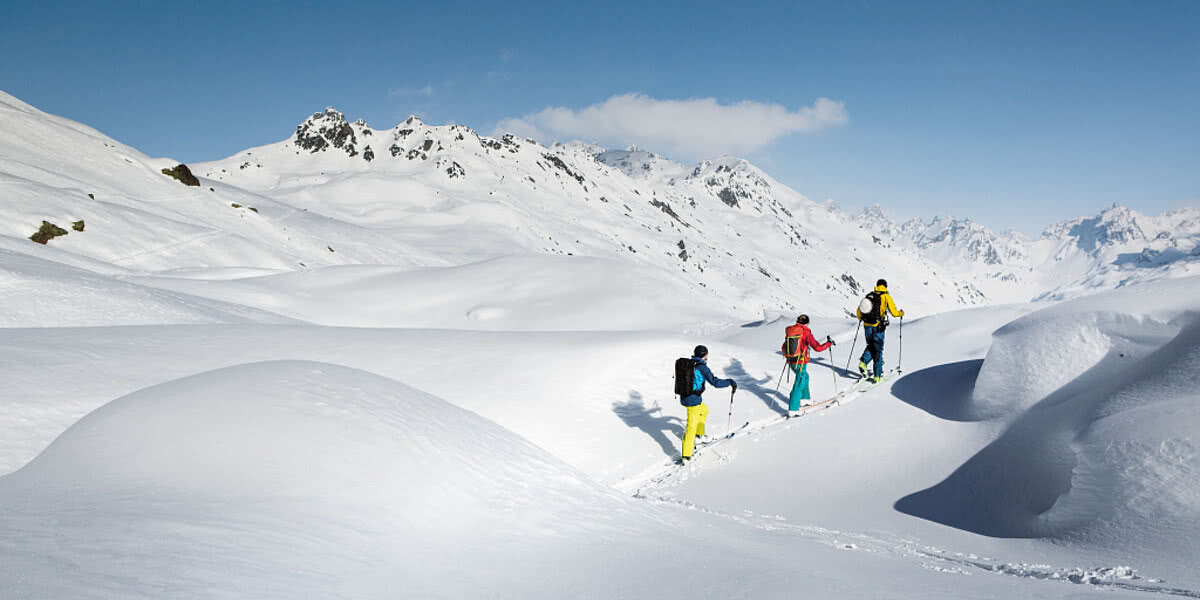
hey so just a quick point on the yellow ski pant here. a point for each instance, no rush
(695, 426)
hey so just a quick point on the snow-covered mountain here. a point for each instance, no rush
(338, 192)
(723, 227)
(446, 371)
(722, 232)
(1115, 248)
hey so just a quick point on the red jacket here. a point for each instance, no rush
(806, 341)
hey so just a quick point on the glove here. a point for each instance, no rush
(901, 314)
(830, 341)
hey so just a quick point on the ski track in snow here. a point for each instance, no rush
(931, 557)
(663, 474)
(939, 559)
(398, 225)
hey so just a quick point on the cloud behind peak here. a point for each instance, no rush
(695, 127)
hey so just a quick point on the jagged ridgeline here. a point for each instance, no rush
(1115, 248)
(723, 226)
(419, 195)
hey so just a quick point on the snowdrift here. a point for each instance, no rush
(293, 479)
(1101, 447)
(515, 293)
(41, 293)
(300, 479)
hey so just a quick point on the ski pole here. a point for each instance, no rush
(729, 422)
(831, 366)
(900, 362)
(852, 344)
(780, 377)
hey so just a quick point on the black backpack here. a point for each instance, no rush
(875, 312)
(685, 378)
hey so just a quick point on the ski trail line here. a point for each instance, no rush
(930, 557)
(938, 559)
(664, 473)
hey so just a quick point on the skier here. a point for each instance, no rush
(874, 321)
(697, 412)
(795, 350)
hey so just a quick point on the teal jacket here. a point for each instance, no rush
(703, 374)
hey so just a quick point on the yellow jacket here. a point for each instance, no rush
(888, 304)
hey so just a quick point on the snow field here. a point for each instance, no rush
(301, 479)
(1092, 450)
(289, 479)
(440, 374)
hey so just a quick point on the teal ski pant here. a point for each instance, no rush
(800, 391)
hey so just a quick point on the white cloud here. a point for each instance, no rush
(697, 127)
(426, 91)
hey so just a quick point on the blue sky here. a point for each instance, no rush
(1016, 114)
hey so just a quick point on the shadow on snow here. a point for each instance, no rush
(774, 400)
(943, 391)
(635, 414)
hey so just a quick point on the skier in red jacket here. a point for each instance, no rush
(795, 350)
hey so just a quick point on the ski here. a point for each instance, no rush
(860, 386)
(737, 430)
(713, 440)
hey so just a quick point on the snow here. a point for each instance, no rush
(398, 377)
(545, 293)
(42, 293)
(355, 485)
(1117, 247)
(1053, 444)
(1103, 451)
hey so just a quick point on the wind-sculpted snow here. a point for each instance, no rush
(293, 479)
(1037, 355)
(1100, 448)
(302, 479)
(204, 444)
(528, 293)
(41, 293)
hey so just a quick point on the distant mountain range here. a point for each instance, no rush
(1118, 247)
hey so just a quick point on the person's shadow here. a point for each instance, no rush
(776, 401)
(650, 420)
(821, 360)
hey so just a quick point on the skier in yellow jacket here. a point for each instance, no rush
(873, 313)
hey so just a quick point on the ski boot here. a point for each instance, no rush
(862, 369)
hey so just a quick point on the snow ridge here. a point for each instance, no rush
(1115, 248)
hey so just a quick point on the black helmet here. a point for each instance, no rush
(882, 282)
(700, 352)
(802, 319)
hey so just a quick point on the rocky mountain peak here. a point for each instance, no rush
(325, 130)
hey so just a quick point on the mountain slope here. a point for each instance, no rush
(724, 227)
(1115, 248)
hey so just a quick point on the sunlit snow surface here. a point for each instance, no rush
(374, 386)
